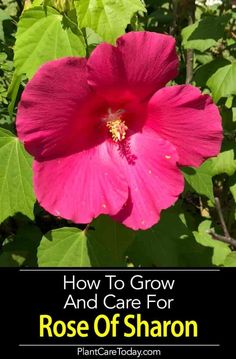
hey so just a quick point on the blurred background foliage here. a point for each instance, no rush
(198, 230)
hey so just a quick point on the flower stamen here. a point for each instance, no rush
(116, 125)
(117, 129)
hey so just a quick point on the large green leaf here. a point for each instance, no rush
(222, 82)
(204, 33)
(104, 244)
(108, 18)
(200, 179)
(220, 249)
(16, 192)
(43, 36)
(170, 243)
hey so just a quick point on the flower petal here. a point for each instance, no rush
(56, 110)
(154, 180)
(141, 63)
(82, 186)
(189, 120)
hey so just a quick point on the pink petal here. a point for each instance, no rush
(141, 63)
(81, 186)
(58, 111)
(189, 120)
(149, 164)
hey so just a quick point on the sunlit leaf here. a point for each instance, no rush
(222, 82)
(43, 36)
(230, 260)
(224, 163)
(220, 249)
(108, 18)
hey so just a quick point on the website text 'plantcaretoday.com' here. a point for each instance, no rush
(117, 351)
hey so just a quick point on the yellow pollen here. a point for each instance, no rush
(118, 129)
(116, 125)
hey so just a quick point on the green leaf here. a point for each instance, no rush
(64, 247)
(169, 243)
(204, 33)
(220, 249)
(224, 163)
(222, 82)
(108, 18)
(230, 260)
(92, 39)
(204, 72)
(203, 58)
(3, 16)
(44, 36)
(103, 245)
(109, 242)
(200, 179)
(16, 191)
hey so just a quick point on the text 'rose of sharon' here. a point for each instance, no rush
(107, 137)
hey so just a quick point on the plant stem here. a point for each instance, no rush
(86, 228)
(190, 53)
(231, 241)
(221, 217)
(173, 7)
(226, 238)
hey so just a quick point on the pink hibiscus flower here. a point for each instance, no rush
(107, 137)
